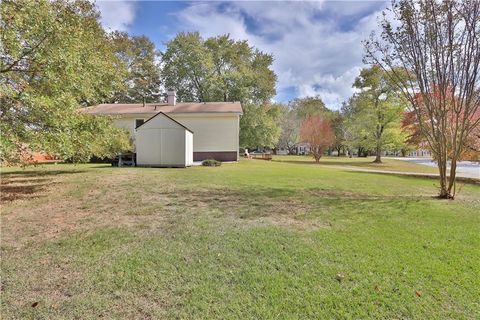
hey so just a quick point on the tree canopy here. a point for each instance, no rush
(217, 69)
(140, 58)
(308, 106)
(55, 57)
(259, 125)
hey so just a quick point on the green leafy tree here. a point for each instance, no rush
(308, 107)
(259, 126)
(188, 67)
(222, 69)
(217, 69)
(140, 58)
(356, 132)
(95, 136)
(289, 124)
(380, 107)
(337, 122)
(54, 57)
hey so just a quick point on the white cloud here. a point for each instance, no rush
(116, 15)
(316, 45)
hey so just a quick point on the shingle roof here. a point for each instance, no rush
(180, 107)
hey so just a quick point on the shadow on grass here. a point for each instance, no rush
(38, 173)
(288, 206)
(23, 184)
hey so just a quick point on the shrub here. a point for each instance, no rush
(211, 163)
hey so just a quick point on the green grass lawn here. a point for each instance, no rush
(253, 240)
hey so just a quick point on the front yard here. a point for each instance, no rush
(253, 240)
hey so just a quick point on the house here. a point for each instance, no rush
(178, 133)
(420, 152)
(302, 148)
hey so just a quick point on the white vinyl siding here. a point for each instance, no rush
(212, 132)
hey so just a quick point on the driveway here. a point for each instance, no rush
(467, 169)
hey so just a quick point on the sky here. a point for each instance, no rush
(317, 46)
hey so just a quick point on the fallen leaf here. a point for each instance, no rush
(418, 293)
(340, 277)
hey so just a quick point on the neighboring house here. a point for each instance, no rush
(214, 127)
(298, 149)
(420, 153)
(302, 148)
(281, 151)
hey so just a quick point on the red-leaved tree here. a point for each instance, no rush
(470, 150)
(318, 133)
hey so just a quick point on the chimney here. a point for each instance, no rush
(171, 97)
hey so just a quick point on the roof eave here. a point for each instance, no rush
(155, 112)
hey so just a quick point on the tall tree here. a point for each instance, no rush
(217, 69)
(381, 106)
(437, 43)
(140, 58)
(317, 132)
(357, 132)
(222, 69)
(54, 57)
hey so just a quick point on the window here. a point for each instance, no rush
(139, 122)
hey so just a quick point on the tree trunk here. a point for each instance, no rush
(451, 182)
(378, 158)
(442, 160)
(442, 168)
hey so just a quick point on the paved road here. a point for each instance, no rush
(460, 177)
(467, 169)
